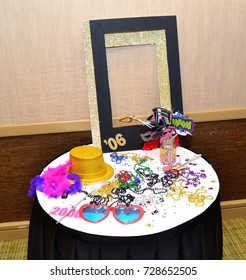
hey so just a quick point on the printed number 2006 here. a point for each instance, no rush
(65, 211)
(114, 142)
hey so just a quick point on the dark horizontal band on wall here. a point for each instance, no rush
(84, 125)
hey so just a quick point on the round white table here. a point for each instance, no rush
(168, 211)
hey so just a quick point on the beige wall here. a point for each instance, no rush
(43, 60)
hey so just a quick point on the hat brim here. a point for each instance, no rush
(108, 174)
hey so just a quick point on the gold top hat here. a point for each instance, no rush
(88, 163)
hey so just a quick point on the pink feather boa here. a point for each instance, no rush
(55, 182)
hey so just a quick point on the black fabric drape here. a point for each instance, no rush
(199, 238)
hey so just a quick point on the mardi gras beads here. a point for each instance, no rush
(192, 178)
(198, 197)
(106, 190)
(137, 158)
(127, 180)
(117, 158)
(176, 192)
(121, 196)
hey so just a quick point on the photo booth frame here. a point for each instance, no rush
(107, 33)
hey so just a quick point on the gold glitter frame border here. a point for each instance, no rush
(91, 85)
(157, 37)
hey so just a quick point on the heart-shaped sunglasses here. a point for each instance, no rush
(123, 214)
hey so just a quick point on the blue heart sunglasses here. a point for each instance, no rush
(122, 213)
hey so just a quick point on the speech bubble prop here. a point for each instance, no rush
(183, 124)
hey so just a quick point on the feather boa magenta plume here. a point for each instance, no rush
(55, 182)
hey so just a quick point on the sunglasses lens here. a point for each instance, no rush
(94, 214)
(128, 215)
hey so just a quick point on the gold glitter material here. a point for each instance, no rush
(86, 152)
(88, 163)
(92, 95)
(157, 37)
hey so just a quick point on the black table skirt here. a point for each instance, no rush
(199, 238)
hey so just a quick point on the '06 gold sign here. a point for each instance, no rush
(113, 143)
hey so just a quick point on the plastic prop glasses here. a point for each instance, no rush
(153, 134)
(123, 214)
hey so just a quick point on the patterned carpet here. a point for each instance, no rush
(234, 238)
(13, 249)
(234, 243)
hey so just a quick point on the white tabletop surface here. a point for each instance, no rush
(161, 213)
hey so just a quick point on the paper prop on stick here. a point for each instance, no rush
(183, 125)
(162, 116)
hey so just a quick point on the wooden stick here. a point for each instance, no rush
(143, 122)
(189, 161)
